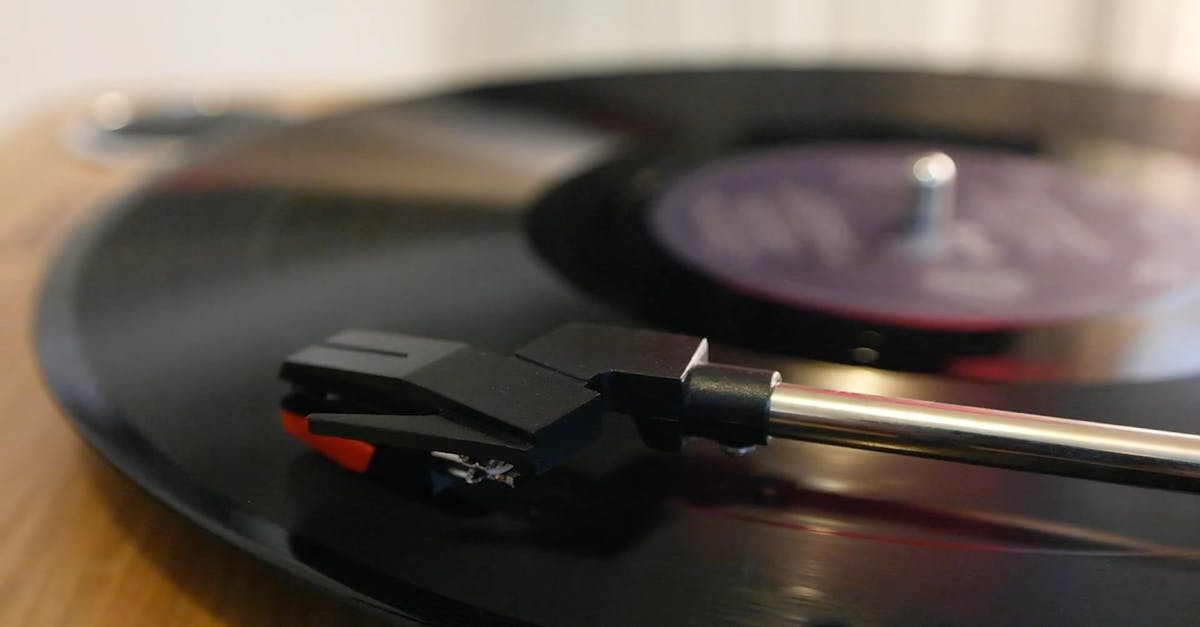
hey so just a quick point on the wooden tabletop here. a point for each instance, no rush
(79, 543)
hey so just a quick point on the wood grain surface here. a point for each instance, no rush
(79, 543)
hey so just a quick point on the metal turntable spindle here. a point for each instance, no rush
(931, 210)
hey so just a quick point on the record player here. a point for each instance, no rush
(1008, 245)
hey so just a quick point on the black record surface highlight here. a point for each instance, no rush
(163, 323)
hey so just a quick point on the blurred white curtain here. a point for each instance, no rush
(52, 47)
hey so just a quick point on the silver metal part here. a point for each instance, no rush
(473, 471)
(469, 475)
(988, 437)
(738, 451)
(931, 203)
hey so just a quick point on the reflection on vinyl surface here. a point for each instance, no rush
(163, 323)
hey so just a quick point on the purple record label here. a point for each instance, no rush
(828, 226)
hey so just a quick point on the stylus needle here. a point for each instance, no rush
(989, 437)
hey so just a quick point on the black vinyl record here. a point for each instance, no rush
(473, 216)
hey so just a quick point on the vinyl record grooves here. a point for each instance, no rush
(475, 216)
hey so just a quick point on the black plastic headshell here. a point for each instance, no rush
(478, 415)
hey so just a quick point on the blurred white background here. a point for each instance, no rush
(51, 50)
